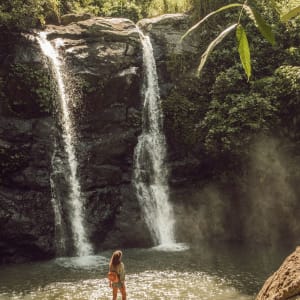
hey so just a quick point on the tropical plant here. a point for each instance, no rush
(241, 36)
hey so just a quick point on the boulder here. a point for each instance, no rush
(285, 282)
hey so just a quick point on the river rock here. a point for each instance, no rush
(285, 282)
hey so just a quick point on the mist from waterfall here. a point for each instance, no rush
(273, 212)
(150, 171)
(81, 244)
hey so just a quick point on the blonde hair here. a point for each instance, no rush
(116, 258)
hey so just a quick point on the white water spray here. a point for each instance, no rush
(150, 171)
(60, 233)
(82, 246)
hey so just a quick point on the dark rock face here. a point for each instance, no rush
(103, 56)
(104, 62)
(26, 214)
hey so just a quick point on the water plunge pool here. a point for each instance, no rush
(206, 272)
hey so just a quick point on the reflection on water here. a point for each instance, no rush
(200, 272)
(82, 262)
(172, 247)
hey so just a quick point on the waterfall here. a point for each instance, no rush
(60, 232)
(150, 171)
(81, 244)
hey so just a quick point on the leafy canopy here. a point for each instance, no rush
(241, 36)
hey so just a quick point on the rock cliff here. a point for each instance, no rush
(103, 56)
(26, 131)
(102, 60)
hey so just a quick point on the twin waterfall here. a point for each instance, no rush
(81, 244)
(150, 171)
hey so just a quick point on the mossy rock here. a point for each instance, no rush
(30, 90)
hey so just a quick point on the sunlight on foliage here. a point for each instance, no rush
(212, 45)
(287, 9)
(243, 48)
(158, 7)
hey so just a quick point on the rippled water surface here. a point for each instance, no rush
(215, 272)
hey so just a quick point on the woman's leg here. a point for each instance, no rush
(123, 291)
(115, 293)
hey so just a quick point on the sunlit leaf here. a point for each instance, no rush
(209, 15)
(212, 45)
(244, 50)
(262, 26)
(291, 14)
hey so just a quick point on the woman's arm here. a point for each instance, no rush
(122, 273)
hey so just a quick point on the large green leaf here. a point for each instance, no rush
(244, 50)
(290, 14)
(212, 45)
(262, 26)
(209, 15)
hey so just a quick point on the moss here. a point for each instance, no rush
(30, 89)
(12, 159)
(180, 119)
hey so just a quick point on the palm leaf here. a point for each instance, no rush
(244, 50)
(262, 26)
(290, 14)
(212, 45)
(209, 15)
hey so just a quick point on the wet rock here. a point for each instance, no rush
(103, 59)
(166, 32)
(70, 18)
(105, 56)
(285, 282)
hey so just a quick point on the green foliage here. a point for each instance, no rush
(123, 9)
(260, 23)
(231, 123)
(243, 48)
(181, 117)
(286, 91)
(26, 14)
(290, 14)
(159, 7)
(32, 84)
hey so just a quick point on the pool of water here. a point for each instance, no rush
(208, 272)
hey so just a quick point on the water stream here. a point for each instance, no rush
(81, 244)
(150, 171)
(60, 230)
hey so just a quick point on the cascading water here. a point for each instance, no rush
(81, 244)
(60, 233)
(150, 171)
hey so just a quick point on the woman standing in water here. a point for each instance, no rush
(116, 266)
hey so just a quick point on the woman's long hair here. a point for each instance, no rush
(115, 258)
